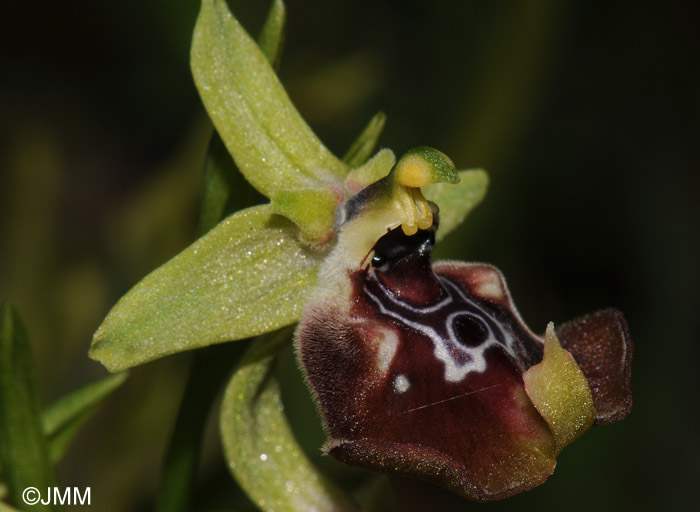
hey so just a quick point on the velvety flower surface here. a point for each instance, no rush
(427, 370)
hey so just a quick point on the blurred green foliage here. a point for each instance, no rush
(585, 114)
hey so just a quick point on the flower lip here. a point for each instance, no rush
(420, 369)
(398, 387)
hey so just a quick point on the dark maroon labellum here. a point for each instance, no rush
(419, 373)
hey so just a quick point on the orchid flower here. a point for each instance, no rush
(420, 369)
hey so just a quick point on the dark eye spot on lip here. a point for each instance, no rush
(469, 330)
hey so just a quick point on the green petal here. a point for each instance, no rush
(260, 448)
(272, 145)
(371, 171)
(247, 276)
(364, 145)
(24, 454)
(312, 210)
(457, 200)
(63, 419)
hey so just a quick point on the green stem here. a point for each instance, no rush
(208, 371)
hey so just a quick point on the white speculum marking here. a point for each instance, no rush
(401, 383)
(491, 289)
(446, 344)
(388, 343)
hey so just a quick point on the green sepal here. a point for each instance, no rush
(224, 190)
(272, 145)
(560, 392)
(457, 200)
(248, 275)
(262, 453)
(24, 454)
(373, 170)
(312, 210)
(271, 38)
(364, 145)
(62, 420)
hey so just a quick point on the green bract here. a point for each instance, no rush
(259, 444)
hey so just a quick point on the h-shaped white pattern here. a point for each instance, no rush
(447, 343)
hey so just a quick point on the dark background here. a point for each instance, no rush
(585, 114)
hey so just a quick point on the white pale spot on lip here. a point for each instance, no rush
(387, 343)
(401, 383)
(491, 289)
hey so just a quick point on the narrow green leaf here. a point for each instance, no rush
(24, 455)
(272, 145)
(271, 38)
(247, 276)
(62, 420)
(261, 450)
(457, 200)
(64, 411)
(364, 145)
